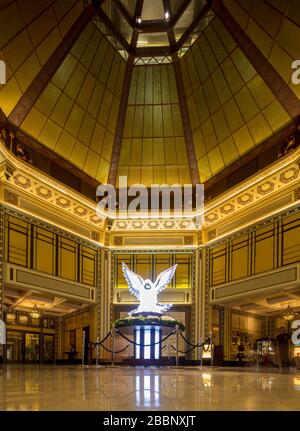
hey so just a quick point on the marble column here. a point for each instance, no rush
(104, 299)
(200, 301)
(2, 252)
(227, 333)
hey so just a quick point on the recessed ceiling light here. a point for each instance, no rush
(139, 20)
(167, 15)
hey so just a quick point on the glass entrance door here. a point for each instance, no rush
(14, 346)
(26, 346)
(32, 347)
(48, 349)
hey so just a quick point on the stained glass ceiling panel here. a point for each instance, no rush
(175, 5)
(152, 39)
(117, 19)
(130, 6)
(153, 10)
(190, 13)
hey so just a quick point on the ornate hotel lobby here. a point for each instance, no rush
(149, 205)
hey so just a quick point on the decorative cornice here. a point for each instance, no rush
(266, 183)
(25, 178)
(158, 224)
(22, 178)
(153, 251)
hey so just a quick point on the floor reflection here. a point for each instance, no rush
(147, 390)
(105, 388)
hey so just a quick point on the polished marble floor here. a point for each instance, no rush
(28, 387)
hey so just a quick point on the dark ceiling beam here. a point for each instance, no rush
(153, 51)
(188, 32)
(275, 141)
(176, 16)
(155, 26)
(115, 157)
(104, 18)
(39, 83)
(170, 31)
(124, 12)
(277, 85)
(188, 135)
(187, 130)
(159, 26)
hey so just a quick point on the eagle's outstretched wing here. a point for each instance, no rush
(134, 281)
(164, 278)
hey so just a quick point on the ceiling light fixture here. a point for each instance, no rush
(139, 20)
(167, 15)
(35, 313)
(288, 314)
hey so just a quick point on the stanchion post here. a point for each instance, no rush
(201, 352)
(211, 350)
(177, 344)
(113, 344)
(83, 346)
(97, 352)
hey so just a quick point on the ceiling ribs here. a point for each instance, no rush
(102, 15)
(114, 163)
(154, 27)
(265, 146)
(193, 25)
(187, 130)
(159, 51)
(123, 10)
(40, 82)
(275, 82)
(23, 296)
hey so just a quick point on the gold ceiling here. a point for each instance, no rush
(231, 108)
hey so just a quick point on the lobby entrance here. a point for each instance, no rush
(29, 347)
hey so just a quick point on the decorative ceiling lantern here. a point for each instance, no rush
(35, 313)
(288, 314)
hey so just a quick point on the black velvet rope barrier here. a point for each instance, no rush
(187, 351)
(99, 342)
(117, 351)
(194, 345)
(145, 345)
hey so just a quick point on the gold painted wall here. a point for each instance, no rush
(245, 330)
(153, 147)
(274, 27)
(231, 109)
(74, 324)
(76, 114)
(266, 248)
(151, 265)
(30, 32)
(42, 250)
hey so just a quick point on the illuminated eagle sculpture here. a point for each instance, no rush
(146, 291)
